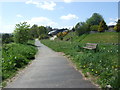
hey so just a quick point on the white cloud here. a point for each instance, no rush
(69, 17)
(7, 28)
(112, 21)
(67, 1)
(18, 15)
(44, 5)
(42, 21)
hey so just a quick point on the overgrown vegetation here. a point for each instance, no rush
(103, 64)
(15, 56)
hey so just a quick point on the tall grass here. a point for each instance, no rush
(15, 56)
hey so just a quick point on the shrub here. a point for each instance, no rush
(102, 26)
(82, 28)
(15, 56)
(21, 33)
(117, 27)
(94, 28)
(7, 38)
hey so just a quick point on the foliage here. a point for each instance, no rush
(94, 28)
(95, 19)
(102, 26)
(60, 35)
(7, 38)
(42, 30)
(34, 31)
(21, 33)
(43, 36)
(81, 28)
(15, 56)
(117, 27)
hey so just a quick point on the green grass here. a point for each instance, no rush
(15, 56)
(106, 37)
(103, 64)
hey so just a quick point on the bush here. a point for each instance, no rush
(43, 36)
(102, 26)
(21, 33)
(117, 27)
(94, 28)
(7, 38)
(15, 56)
(81, 28)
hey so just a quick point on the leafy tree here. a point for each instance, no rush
(117, 27)
(42, 30)
(95, 19)
(7, 38)
(21, 33)
(60, 35)
(34, 31)
(102, 26)
(81, 28)
(49, 28)
(73, 29)
(94, 28)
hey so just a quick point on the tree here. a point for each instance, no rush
(7, 38)
(49, 28)
(117, 27)
(81, 28)
(34, 31)
(73, 29)
(94, 28)
(95, 19)
(21, 33)
(102, 26)
(42, 30)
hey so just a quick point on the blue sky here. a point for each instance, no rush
(54, 14)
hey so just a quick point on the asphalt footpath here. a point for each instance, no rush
(49, 69)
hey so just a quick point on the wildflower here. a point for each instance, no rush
(92, 69)
(96, 72)
(117, 50)
(15, 57)
(116, 66)
(108, 86)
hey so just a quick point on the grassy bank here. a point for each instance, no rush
(103, 64)
(15, 56)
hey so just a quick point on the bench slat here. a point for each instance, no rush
(90, 46)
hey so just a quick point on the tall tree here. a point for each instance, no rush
(81, 28)
(33, 31)
(95, 19)
(117, 27)
(21, 33)
(102, 26)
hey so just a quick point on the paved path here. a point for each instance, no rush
(49, 70)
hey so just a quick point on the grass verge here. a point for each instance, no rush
(103, 64)
(16, 56)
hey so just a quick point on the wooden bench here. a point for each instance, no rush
(91, 46)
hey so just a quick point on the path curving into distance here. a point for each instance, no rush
(49, 70)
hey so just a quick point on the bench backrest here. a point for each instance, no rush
(92, 45)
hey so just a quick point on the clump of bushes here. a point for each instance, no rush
(15, 56)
